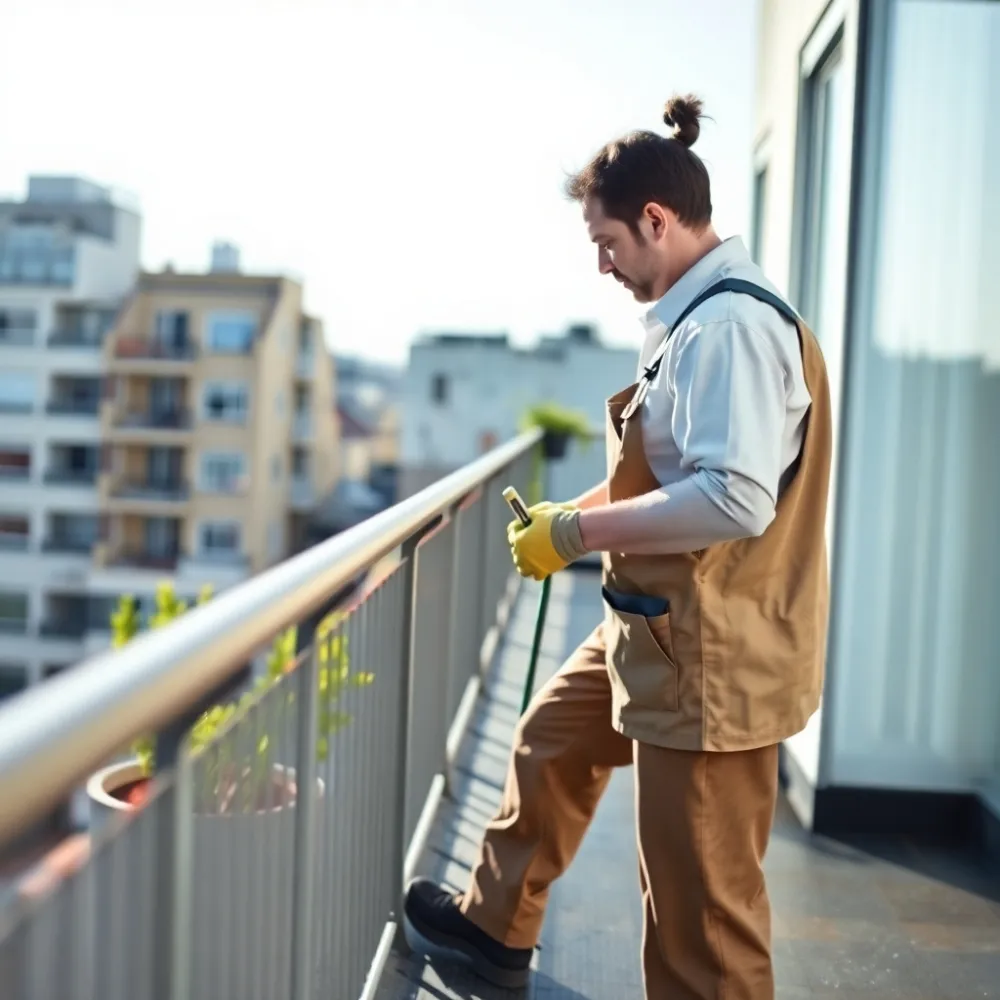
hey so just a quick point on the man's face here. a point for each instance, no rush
(636, 260)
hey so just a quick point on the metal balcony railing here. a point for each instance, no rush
(270, 854)
(76, 338)
(71, 477)
(152, 348)
(171, 490)
(166, 419)
(73, 407)
(17, 336)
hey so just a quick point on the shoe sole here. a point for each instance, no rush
(497, 975)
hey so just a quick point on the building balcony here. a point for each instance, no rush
(70, 477)
(141, 558)
(143, 354)
(17, 337)
(14, 543)
(75, 340)
(149, 498)
(16, 406)
(73, 407)
(62, 545)
(163, 427)
(63, 628)
(167, 491)
(277, 844)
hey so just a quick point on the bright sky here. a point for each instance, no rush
(404, 157)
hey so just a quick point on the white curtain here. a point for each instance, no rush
(917, 629)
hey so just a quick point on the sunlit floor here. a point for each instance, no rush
(873, 921)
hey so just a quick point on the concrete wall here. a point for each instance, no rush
(490, 386)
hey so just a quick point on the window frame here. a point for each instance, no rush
(231, 316)
(214, 524)
(236, 386)
(203, 479)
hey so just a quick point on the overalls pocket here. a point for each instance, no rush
(640, 652)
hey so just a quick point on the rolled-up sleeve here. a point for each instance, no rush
(728, 421)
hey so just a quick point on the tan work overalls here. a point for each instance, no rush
(698, 698)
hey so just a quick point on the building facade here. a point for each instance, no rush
(877, 203)
(153, 427)
(464, 394)
(69, 254)
(219, 433)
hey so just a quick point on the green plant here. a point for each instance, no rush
(552, 419)
(556, 419)
(223, 772)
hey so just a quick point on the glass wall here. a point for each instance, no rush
(915, 686)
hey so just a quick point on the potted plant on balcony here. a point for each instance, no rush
(125, 786)
(244, 798)
(558, 425)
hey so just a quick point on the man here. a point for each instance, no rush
(712, 528)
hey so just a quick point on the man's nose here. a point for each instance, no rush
(604, 264)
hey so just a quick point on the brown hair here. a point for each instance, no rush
(629, 173)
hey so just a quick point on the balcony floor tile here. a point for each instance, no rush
(870, 920)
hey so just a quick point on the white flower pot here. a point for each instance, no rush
(242, 889)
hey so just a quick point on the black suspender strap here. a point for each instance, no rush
(726, 285)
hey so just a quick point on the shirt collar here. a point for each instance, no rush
(729, 254)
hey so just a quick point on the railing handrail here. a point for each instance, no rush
(55, 734)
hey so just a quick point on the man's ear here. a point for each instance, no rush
(657, 219)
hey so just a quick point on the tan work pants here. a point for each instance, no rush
(703, 822)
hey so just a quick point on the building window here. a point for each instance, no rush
(824, 195)
(231, 333)
(15, 530)
(219, 538)
(439, 389)
(300, 462)
(759, 215)
(223, 472)
(276, 468)
(18, 392)
(226, 402)
(162, 535)
(13, 611)
(17, 326)
(73, 532)
(15, 463)
(13, 679)
(173, 328)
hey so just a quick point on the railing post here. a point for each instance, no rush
(399, 840)
(306, 812)
(175, 865)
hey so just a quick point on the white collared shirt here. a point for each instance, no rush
(723, 418)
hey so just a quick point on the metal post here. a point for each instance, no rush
(175, 865)
(306, 812)
(398, 862)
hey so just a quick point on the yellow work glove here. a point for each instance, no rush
(549, 543)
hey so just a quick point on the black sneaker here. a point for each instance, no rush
(435, 916)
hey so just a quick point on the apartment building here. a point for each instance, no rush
(69, 253)
(465, 393)
(218, 434)
(877, 207)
